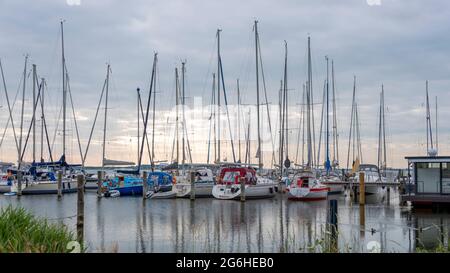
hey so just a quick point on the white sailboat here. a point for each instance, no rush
(204, 183)
(256, 187)
(305, 186)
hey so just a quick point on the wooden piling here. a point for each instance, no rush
(362, 219)
(99, 183)
(242, 180)
(59, 182)
(362, 189)
(388, 195)
(19, 183)
(145, 185)
(80, 208)
(192, 186)
(332, 219)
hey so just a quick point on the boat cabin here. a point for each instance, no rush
(368, 168)
(232, 175)
(303, 179)
(428, 180)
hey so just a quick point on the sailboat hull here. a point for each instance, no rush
(233, 192)
(50, 187)
(306, 194)
(201, 190)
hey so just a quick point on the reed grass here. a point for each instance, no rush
(22, 232)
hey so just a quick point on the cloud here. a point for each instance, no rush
(400, 43)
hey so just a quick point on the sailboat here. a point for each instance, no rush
(305, 186)
(130, 182)
(204, 179)
(47, 184)
(256, 186)
(330, 175)
(372, 172)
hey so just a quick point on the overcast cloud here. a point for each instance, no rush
(400, 43)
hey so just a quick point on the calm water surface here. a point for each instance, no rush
(128, 224)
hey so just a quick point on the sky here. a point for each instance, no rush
(397, 43)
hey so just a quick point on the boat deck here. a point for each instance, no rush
(426, 198)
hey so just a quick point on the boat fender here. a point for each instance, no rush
(271, 190)
(276, 189)
(114, 193)
(149, 194)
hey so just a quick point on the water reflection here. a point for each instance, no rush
(272, 225)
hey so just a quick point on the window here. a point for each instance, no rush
(428, 178)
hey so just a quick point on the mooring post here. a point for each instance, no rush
(332, 213)
(59, 181)
(192, 186)
(99, 183)
(333, 224)
(242, 180)
(388, 195)
(362, 189)
(19, 183)
(145, 184)
(80, 208)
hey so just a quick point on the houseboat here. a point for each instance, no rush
(428, 180)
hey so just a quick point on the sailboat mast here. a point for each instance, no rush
(259, 152)
(106, 116)
(153, 124)
(239, 118)
(308, 103)
(327, 131)
(384, 130)
(64, 89)
(281, 148)
(335, 133)
(138, 121)
(42, 118)
(286, 115)
(436, 126)
(218, 95)
(23, 108)
(34, 112)
(380, 126)
(214, 116)
(351, 124)
(183, 95)
(177, 115)
(429, 129)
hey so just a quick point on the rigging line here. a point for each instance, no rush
(45, 127)
(351, 122)
(267, 102)
(12, 110)
(155, 59)
(335, 124)
(9, 107)
(213, 52)
(226, 108)
(145, 136)
(93, 125)
(300, 125)
(74, 116)
(321, 123)
(57, 127)
(210, 120)
(29, 129)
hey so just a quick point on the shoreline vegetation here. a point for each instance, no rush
(22, 232)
